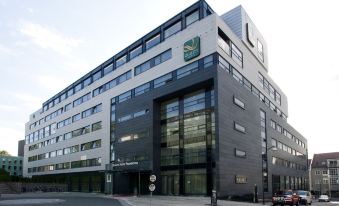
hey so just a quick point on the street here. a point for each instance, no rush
(64, 199)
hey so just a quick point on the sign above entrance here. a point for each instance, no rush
(122, 164)
(192, 48)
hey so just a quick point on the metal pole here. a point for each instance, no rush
(263, 193)
(139, 192)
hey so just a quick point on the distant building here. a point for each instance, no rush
(21, 146)
(324, 173)
(11, 164)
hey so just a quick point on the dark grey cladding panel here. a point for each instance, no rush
(228, 139)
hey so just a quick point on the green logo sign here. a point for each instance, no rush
(192, 48)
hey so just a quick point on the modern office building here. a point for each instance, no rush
(13, 165)
(190, 102)
(325, 174)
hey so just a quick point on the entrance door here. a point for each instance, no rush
(170, 183)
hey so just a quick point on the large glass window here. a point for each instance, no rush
(195, 139)
(170, 109)
(170, 137)
(194, 101)
(195, 181)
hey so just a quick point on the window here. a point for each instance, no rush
(124, 77)
(76, 117)
(108, 69)
(59, 152)
(135, 52)
(162, 80)
(224, 42)
(273, 124)
(70, 92)
(238, 102)
(78, 87)
(140, 113)
(274, 143)
(208, 61)
(279, 129)
(317, 172)
(236, 54)
(96, 126)
(97, 75)
(187, 70)
(153, 62)
(176, 27)
(86, 113)
(125, 96)
(224, 64)
(261, 51)
(142, 68)
(240, 179)
(142, 89)
(239, 153)
(324, 172)
(67, 136)
(239, 127)
(87, 81)
(153, 42)
(191, 18)
(68, 107)
(122, 60)
(125, 118)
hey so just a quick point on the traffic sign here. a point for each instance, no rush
(151, 187)
(152, 178)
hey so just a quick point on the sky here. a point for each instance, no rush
(47, 45)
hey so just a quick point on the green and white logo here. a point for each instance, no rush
(192, 48)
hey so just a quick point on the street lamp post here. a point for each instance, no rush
(273, 148)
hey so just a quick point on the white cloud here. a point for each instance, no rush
(30, 102)
(49, 38)
(30, 10)
(51, 83)
(8, 108)
(5, 50)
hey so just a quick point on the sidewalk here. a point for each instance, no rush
(177, 201)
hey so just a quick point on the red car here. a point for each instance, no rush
(287, 197)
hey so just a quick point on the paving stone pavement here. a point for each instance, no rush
(176, 201)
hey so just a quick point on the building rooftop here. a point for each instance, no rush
(319, 160)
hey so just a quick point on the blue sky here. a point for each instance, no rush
(47, 45)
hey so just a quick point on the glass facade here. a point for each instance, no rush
(187, 143)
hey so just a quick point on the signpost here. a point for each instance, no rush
(151, 187)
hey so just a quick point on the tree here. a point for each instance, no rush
(4, 153)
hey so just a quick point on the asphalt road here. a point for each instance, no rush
(60, 199)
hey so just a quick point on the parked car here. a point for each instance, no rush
(287, 197)
(305, 197)
(324, 198)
